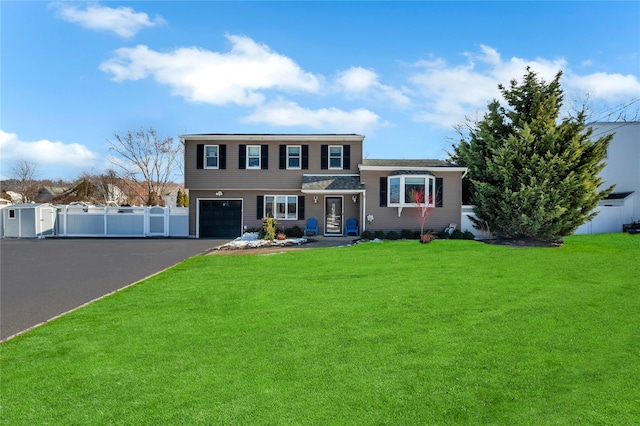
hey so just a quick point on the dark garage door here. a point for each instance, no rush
(220, 218)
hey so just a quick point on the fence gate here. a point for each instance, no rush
(157, 219)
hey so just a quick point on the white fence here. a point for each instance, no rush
(610, 219)
(47, 220)
(82, 221)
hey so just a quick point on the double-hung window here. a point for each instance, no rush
(335, 157)
(253, 156)
(281, 207)
(411, 190)
(211, 154)
(294, 156)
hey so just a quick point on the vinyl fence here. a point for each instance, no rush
(610, 218)
(83, 221)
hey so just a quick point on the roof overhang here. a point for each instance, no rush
(276, 137)
(423, 169)
(331, 184)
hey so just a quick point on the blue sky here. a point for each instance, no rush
(401, 73)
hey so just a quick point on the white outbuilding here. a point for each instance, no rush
(29, 220)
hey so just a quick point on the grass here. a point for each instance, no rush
(453, 332)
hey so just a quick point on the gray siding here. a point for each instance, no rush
(386, 218)
(273, 178)
(250, 218)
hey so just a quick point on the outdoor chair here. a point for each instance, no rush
(312, 226)
(352, 227)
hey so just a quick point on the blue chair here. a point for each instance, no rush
(352, 227)
(312, 226)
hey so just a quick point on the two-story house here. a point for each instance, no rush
(235, 180)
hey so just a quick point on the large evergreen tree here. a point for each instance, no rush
(533, 175)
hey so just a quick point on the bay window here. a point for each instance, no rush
(411, 190)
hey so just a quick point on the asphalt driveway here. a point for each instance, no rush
(41, 279)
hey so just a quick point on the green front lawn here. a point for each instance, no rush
(452, 332)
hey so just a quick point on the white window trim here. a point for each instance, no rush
(299, 157)
(10, 212)
(259, 157)
(341, 157)
(402, 178)
(206, 166)
(275, 204)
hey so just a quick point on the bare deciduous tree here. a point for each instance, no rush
(25, 174)
(147, 162)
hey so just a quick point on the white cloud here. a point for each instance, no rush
(364, 83)
(236, 77)
(607, 87)
(286, 113)
(123, 21)
(451, 93)
(45, 152)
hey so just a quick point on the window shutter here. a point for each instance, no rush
(200, 156)
(383, 191)
(439, 192)
(222, 161)
(242, 157)
(346, 157)
(300, 207)
(260, 207)
(264, 157)
(283, 157)
(324, 157)
(305, 157)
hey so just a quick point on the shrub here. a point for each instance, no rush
(457, 235)
(379, 234)
(468, 235)
(406, 234)
(442, 235)
(294, 232)
(268, 230)
(367, 235)
(392, 235)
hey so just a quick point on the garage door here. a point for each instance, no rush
(220, 218)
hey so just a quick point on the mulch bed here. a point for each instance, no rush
(516, 242)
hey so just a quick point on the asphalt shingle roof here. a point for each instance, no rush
(331, 183)
(407, 163)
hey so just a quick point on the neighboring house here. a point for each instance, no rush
(235, 180)
(15, 197)
(623, 163)
(47, 194)
(622, 169)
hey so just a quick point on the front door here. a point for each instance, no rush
(333, 215)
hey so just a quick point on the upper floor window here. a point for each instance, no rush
(294, 156)
(253, 156)
(412, 190)
(211, 153)
(211, 156)
(335, 156)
